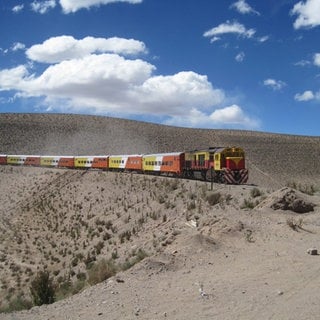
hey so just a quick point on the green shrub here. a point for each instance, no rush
(42, 289)
(17, 304)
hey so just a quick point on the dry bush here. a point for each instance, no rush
(309, 189)
(101, 271)
(214, 198)
(255, 192)
(295, 224)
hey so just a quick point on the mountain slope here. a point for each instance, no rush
(273, 159)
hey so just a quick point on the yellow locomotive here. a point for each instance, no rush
(219, 164)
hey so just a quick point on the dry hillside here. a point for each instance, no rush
(273, 159)
(175, 249)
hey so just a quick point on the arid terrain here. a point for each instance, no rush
(173, 248)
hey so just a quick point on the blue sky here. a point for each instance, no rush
(238, 64)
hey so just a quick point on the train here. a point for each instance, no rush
(214, 164)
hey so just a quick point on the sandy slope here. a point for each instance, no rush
(221, 261)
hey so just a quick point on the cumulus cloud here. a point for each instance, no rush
(274, 84)
(305, 96)
(69, 6)
(94, 77)
(176, 94)
(57, 49)
(228, 117)
(227, 28)
(308, 13)
(243, 7)
(9, 77)
(43, 7)
(18, 8)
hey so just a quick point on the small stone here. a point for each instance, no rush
(312, 251)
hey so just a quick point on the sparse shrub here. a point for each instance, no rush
(17, 304)
(191, 205)
(214, 198)
(161, 199)
(309, 189)
(42, 289)
(249, 236)
(114, 254)
(99, 246)
(125, 235)
(255, 192)
(101, 271)
(248, 204)
(295, 224)
(139, 256)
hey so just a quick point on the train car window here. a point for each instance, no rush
(201, 160)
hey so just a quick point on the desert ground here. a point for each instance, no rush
(177, 249)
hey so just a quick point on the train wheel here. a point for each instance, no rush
(211, 175)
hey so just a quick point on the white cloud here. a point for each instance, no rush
(305, 96)
(263, 39)
(176, 94)
(110, 83)
(10, 77)
(308, 13)
(228, 117)
(240, 57)
(232, 115)
(274, 84)
(62, 48)
(69, 6)
(18, 46)
(43, 7)
(302, 63)
(243, 7)
(80, 78)
(316, 59)
(18, 8)
(229, 27)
